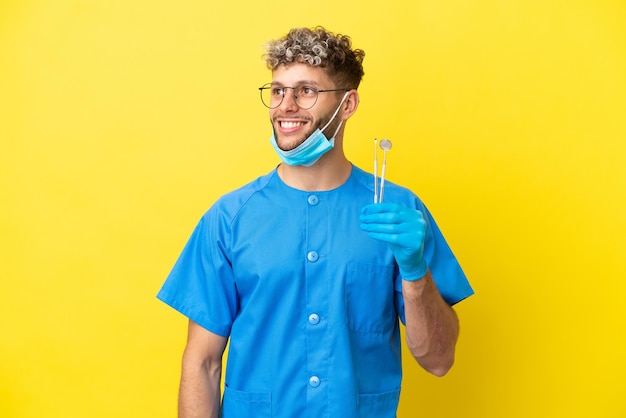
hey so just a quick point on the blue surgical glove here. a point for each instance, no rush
(404, 230)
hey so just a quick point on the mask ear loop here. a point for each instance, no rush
(335, 114)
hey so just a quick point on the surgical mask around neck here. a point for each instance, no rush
(312, 149)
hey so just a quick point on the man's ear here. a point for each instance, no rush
(350, 105)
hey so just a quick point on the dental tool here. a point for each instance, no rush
(385, 145)
(375, 171)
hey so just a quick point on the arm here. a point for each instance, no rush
(432, 327)
(199, 394)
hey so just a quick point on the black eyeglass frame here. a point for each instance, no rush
(269, 86)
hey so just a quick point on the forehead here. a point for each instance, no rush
(299, 73)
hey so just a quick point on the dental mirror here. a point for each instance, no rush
(385, 145)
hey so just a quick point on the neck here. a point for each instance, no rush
(330, 172)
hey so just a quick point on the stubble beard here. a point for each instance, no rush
(318, 125)
(295, 143)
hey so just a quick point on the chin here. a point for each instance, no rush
(290, 145)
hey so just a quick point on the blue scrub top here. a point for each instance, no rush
(310, 302)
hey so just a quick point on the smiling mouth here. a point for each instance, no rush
(291, 124)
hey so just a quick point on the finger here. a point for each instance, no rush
(390, 213)
(390, 218)
(388, 228)
(384, 237)
(381, 208)
(379, 228)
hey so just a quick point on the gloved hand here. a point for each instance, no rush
(404, 230)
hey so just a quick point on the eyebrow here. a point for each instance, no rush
(300, 83)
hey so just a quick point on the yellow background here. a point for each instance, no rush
(121, 121)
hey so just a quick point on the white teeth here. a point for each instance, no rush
(289, 125)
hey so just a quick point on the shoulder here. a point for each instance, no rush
(244, 192)
(229, 204)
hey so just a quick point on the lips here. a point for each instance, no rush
(291, 125)
(288, 126)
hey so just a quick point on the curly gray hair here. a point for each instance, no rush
(318, 48)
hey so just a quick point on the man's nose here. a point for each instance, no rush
(289, 100)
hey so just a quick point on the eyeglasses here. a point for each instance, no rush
(305, 96)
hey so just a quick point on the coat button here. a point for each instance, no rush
(314, 381)
(314, 319)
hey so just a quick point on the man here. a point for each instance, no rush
(303, 274)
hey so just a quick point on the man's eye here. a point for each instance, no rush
(278, 91)
(308, 91)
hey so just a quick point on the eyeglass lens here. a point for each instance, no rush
(304, 96)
